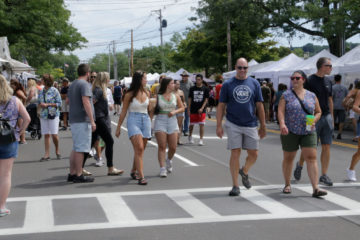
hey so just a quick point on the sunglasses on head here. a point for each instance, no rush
(241, 67)
(295, 78)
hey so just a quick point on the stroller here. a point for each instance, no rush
(34, 126)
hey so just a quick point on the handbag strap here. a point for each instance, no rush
(6, 105)
(301, 103)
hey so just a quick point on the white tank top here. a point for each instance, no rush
(136, 106)
(167, 106)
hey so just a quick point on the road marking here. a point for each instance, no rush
(336, 198)
(267, 203)
(116, 210)
(39, 214)
(192, 205)
(181, 158)
(209, 137)
(35, 222)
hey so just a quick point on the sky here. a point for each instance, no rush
(101, 22)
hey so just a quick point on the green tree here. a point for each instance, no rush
(330, 20)
(68, 63)
(100, 63)
(48, 68)
(205, 46)
(36, 27)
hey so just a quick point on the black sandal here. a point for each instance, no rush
(134, 176)
(287, 189)
(319, 193)
(142, 181)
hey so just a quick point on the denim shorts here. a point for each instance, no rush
(324, 129)
(9, 150)
(139, 123)
(165, 124)
(81, 135)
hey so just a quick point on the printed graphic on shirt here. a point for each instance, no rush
(242, 94)
(198, 96)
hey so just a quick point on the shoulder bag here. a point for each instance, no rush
(301, 103)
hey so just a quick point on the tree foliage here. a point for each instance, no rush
(36, 27)
(327, 19)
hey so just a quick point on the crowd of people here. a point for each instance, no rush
(305, 114)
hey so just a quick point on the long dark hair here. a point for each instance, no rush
(163, 85)
(136, 84)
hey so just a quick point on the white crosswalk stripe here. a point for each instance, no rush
(40, 213)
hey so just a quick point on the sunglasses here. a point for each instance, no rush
(297, 78)
(241, 68)
(328, 65)
(93, 77)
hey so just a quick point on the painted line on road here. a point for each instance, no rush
(181, 158)
(201, 212)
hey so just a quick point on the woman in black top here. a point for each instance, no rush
(102, 120)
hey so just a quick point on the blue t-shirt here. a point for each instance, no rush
(240, 97)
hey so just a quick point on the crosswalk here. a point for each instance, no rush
(59, 213)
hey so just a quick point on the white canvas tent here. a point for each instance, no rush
(308, 66)
(15, 67)
(253, 62)
(348, 66)
(251, 70)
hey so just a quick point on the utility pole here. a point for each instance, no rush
(109, 64)
(163, 24)
(132, 53)
(229, 46)
(115, 62)
(129, 62)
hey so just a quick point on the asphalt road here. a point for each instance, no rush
(191, 203)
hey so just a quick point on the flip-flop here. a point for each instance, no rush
(287, 189)
(4, 212)
(58, 156)
(43, 159)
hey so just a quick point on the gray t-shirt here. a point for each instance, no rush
(77, 90)
(185, 87)
(339, 92)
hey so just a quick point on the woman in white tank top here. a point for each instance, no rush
(166, 128)
(136, 102)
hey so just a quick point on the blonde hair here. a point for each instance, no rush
(101, 81)
(6, 91)
(31, 83)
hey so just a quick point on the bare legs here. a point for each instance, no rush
(309, 155)
(180, 124)
(235, 163)
(55, 139)
(76, 162)
(163, 140)
(5, 179)
(355, 158)
(139, 144)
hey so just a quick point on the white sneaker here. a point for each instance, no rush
(163, 173)
(191, 141)
(201, 142)
(169, 167)
(99, 162)
(92, 152)
(351, 175)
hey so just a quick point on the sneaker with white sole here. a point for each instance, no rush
(351, 175)
(169, 166)
(191, 140)
(4, 212)
(99, 163)
(201, 142)
(163, 173)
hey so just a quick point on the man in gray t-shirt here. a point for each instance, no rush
(81, 118)
(339, 92)
(185, 86)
